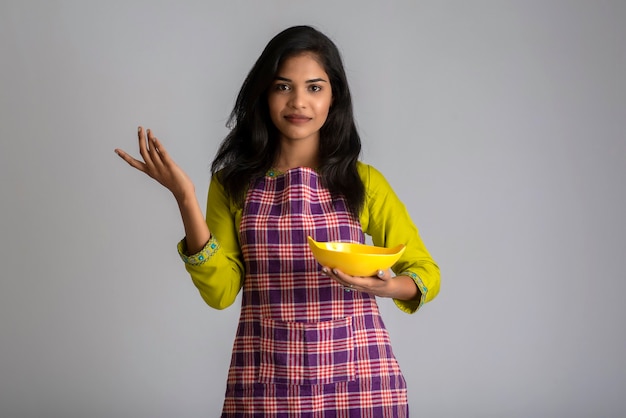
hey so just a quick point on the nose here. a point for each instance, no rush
(296, 99)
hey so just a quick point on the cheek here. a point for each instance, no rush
(325, 108)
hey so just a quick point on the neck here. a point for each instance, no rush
(297, 154)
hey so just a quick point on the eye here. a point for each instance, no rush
(281, 87)
(315, 88)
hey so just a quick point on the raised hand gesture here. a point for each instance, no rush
(159, 165)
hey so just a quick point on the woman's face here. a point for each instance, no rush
(299, 98)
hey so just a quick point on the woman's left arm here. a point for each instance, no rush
(386, 219)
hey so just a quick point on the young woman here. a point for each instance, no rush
(310, 340)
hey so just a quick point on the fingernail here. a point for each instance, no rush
(334, 271)
(381, 273)
(324, 270)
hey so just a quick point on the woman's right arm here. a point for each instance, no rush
(160, 166)
(213, 259)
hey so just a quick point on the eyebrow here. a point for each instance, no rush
(314, 80)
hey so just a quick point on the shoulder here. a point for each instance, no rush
(371, 177)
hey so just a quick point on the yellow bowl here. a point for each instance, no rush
(355, 259)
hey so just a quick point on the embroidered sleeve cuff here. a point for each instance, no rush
(411, 306)
(200, 257)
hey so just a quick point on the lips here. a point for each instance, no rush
(297, 118)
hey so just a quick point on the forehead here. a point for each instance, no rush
(305, 64)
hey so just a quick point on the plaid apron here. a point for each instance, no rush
(304, 346)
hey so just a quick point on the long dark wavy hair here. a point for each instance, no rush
(251, 147)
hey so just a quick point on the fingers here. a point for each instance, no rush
(345, 280)
(145, 148)
(363, 284)
(161, 154)
(150, 151)
(158, 156)
(130, 160)
(334, 274)
(152, 147)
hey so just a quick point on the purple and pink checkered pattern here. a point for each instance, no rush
(304, 347)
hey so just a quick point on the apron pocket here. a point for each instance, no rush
(306, 353)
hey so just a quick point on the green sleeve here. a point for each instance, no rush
(387, 221)
(217, 270)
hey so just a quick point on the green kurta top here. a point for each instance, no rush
(218, 270)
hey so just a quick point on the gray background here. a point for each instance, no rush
(500, 123)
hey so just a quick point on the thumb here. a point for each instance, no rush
(383, 274)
